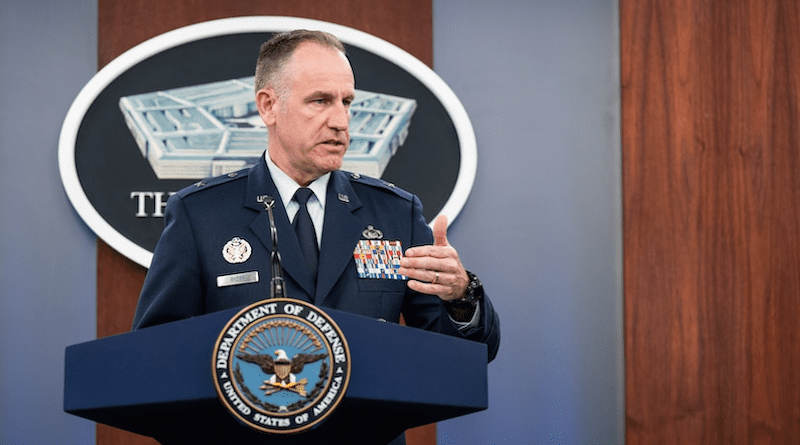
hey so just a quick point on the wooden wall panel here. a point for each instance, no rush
(711, 202)
(124, 24)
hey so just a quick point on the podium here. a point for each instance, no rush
(158, 382)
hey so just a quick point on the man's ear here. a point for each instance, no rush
(267, 103)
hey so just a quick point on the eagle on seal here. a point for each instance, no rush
(281, 368)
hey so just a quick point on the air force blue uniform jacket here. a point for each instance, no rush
(201, 219)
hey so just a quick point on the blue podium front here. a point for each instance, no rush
(158, 382)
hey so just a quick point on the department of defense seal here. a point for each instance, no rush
(281, 365)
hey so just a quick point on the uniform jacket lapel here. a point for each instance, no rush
(260, 183)
(340, 234)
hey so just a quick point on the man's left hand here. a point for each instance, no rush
(436, 269)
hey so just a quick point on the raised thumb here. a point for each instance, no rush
(440, 231)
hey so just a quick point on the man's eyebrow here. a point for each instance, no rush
(320, 94)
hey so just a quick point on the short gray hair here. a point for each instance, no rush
(277, 51)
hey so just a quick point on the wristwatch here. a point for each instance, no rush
(473, 294)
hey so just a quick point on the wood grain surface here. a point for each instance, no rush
(711, 202)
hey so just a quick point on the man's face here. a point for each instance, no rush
(309, 124)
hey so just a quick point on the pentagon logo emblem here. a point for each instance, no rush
(281, 366)
(195, 119)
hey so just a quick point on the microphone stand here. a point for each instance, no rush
(277, 288)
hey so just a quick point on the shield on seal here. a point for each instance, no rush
(282, 369)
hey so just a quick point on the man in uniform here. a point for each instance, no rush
(214, 252)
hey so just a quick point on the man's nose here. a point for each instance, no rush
(340, 117)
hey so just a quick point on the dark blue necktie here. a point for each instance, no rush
(305, 231)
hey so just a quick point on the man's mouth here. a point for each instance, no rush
(334, 142)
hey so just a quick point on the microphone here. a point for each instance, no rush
(277, 288)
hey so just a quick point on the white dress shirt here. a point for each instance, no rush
(287, 187)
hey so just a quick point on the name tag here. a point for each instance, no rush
(237, 278)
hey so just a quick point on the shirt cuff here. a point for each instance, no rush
(463, 325)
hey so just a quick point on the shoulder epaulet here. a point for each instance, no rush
(207, 183)
(378, 183)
